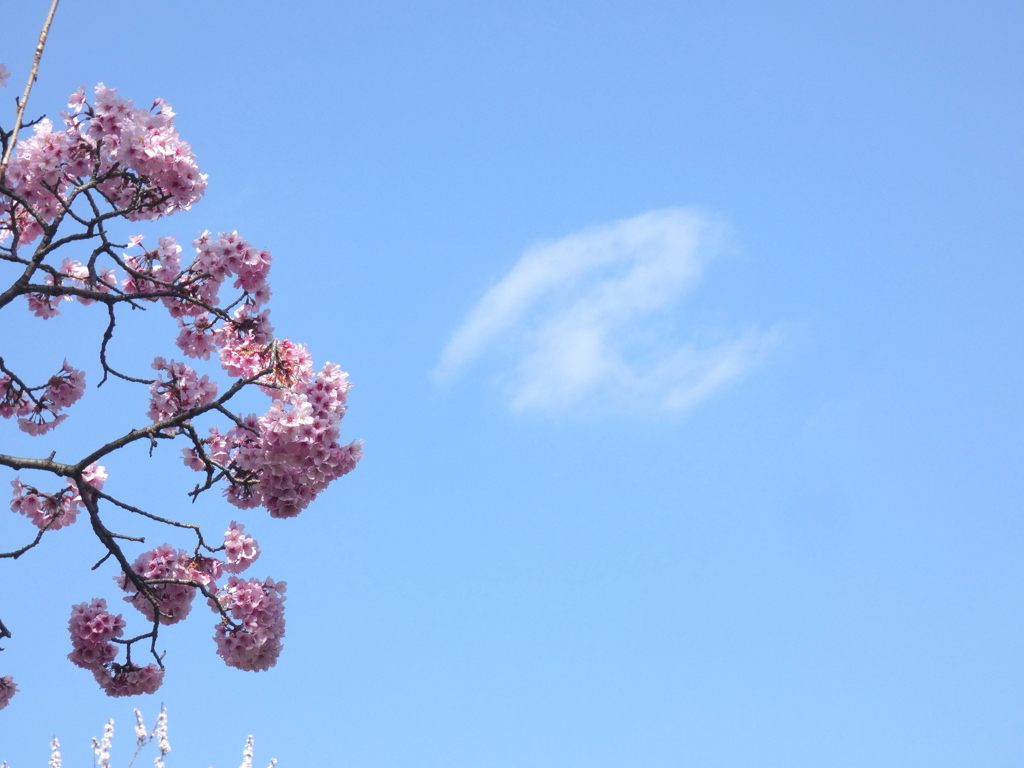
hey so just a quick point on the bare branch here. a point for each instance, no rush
(159, 519)
(108, 334)
(110, 543)
(46, 465)
(102, 560)
(19, 552)
(28, 89)
(4, 632)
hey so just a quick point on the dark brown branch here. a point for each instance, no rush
(108, 540)
(159, 519)
(156, 429)
(45, 465)
(39, 537)
(205, 593)
(108, 334)
(21, 384)
(102, 560)
(19, 552)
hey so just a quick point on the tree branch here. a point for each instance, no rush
(28, 89)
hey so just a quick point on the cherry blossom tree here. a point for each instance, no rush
(70, 192)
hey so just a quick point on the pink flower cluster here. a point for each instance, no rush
(258, 607)
(138, 157)
(181, 391)
(217, 260)
(148, 144)
(285, 458)
(47, 306)
(129, 679)
(62, 390)
(151, 272)
(288, 365)
(255, 605)
(245, 339)
(160, 264)
(80, 278)
(240, 548)
(199, 287)
(174, 600)
(92, 630)
(165, 562)
(189, 294)
(301, 453)
(46, 159)
(7, 690)
(54, 511)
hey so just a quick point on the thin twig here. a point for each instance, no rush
(28, 89)
(101, 562)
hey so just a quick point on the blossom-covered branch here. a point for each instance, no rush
(62, 191)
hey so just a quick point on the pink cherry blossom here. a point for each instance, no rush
(104, 281)
(13, 400)
(92, 628)
(284, 459)
(259, 608)
(77, 99)
(174, 600)
(181, 390)
(7, 690)
(129, 680)
(195, 338)
(66, 387)
(43, 306)
(49, 511)
(36, 423)
(147, 169)
(162, 264)
(54, 511)
(36, 417)
(95, 475)
(205, 570)
(4, 74)
(241, 548)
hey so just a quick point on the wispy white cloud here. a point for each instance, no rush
(581, 318)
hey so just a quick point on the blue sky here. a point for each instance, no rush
(687, 347)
